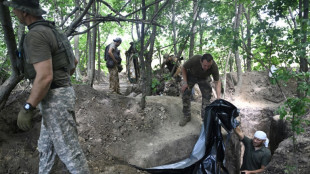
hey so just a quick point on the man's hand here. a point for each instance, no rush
(24, 119)
(239, 133)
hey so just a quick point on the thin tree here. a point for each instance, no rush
(93, 48)
(9, 37)
(141, 57)
(236, 47)
(192, 34)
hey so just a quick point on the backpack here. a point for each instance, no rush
(106, 52)
(62, 58)
(109, 61)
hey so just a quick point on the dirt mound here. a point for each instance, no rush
(115, 133)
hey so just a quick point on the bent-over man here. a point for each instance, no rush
(197, 70)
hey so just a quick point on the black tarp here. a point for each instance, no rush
(208, 155)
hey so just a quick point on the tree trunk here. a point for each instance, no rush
(9, 38)
(196, 12)
(137, 24)
(200, 36)
(93, 49)
(99, 57)
(174, 30)
(249, 44)
(77, 56)
(224, 76)
(78, 19)
(231, 65)
(143, 70)
(88, 53)
(76, 47)
(192, 35)
(304, 25)
(236, 48)
(303, 8)
(149, 57)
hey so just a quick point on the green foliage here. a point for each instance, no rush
(293, 111)
(290, 169)
(155, 83)
(295, 108)
(76, 82)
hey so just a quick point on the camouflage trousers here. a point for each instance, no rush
(58, 134)
(114, 80)
(206, 92)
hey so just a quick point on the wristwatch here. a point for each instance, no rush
(29, 107)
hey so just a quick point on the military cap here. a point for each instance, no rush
(118, 39)
(29, 6)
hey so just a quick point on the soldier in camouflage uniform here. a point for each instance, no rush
(114, 54)
(170, 62)
(197, 70)
(172, 85)
(52, 92)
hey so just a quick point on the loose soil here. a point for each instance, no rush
(116, 134)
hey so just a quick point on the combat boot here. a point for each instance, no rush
(184, 120)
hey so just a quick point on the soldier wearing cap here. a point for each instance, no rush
(256, 153)
(52, 92)
(114, 55)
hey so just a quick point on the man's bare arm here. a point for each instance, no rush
(218, 89)
(42, 81)
(184, 75)
(262, 169)
(239, 133)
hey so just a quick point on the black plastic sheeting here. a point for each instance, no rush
(208, 155)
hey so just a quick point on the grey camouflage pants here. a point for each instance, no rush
(114, 80)
(58, 134)
(206, 92)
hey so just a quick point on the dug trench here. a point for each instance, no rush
(116, 134)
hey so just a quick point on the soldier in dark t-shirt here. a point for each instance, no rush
(197, 70)
(256, 154)
(51, 91)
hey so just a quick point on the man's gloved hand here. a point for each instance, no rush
(24, 119)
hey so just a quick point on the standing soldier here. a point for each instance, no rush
(114, 64)
(52, 90)
(197, 70)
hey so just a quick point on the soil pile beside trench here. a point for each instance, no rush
(115, 133)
